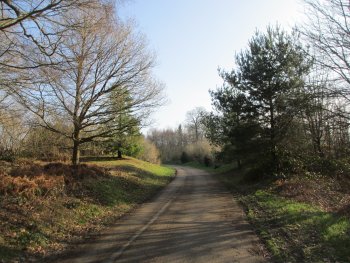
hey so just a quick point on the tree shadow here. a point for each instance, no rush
(100, 158)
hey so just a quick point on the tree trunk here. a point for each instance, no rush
(273, 136)
(239, 164)
(317, 147)
(119, 154)
(76, 143)
(76, 153)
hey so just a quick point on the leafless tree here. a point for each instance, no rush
(101, 62)
(31, 29)
(12, 128)
(37, 20)
(328, 32)
(315, 110)
(194, 123)
(167, 143)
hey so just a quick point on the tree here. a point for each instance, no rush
(30, 29)
(167, 143)
(327, 31)
(271, 73)
(42, 144)
(149, 152)
(259, 99)
(194, 122)
(315, 111)
(33, 12)
(181, 138)
(125, 126)
(37, 20)
(12, 131)
(235, 125)
(100, 58)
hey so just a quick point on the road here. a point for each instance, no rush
(194, 219)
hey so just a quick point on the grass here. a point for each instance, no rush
(132, 163)
(142, 180)
(46, 222)
(292, 231)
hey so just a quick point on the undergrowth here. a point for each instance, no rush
(46, 206)
(293, 230)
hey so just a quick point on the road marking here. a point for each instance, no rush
(120, 252)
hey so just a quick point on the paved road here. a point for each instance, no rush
(193, 220)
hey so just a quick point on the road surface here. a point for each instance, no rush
(194, 219)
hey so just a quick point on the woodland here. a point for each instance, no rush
(77, 87)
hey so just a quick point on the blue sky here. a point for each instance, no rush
(192, 38)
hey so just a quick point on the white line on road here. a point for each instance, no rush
(120, 252)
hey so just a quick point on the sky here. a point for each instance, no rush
(193, 38)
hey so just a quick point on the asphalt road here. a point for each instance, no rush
(194, 219)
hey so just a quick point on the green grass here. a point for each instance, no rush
(292, 231)
(132, 182)
(136, 164)
(143, 180)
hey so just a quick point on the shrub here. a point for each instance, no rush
(7, 155)
(207, 161)
(197, 151)
(184, 158)
(149, 152)
(29, 187)
(31, 179)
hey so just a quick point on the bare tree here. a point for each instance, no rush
(32, 26)
(315, 110)
(328, 32)
(37, 20)
(194, 122)
(166, 142)
(31, 29)
(12, 128)
(102, 60)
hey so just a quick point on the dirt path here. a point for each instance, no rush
(193, 220)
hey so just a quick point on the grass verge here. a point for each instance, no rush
(45, 207)
(293, 231)
(299, 220)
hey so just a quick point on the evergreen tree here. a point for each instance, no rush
(261, 96)
(271, 73)
(236, 126)
(126, 126)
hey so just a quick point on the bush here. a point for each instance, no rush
(29, 187)
(149, 152)
(7, 155)
(207, 161)
(329, 167)
(198, 151)
(184, 158)
(45, 145)
(32, 179)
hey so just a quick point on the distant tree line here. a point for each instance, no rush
(284, 107)
(186, 143)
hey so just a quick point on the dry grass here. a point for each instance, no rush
(330, 194)
(44, 207)
(28, 179)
